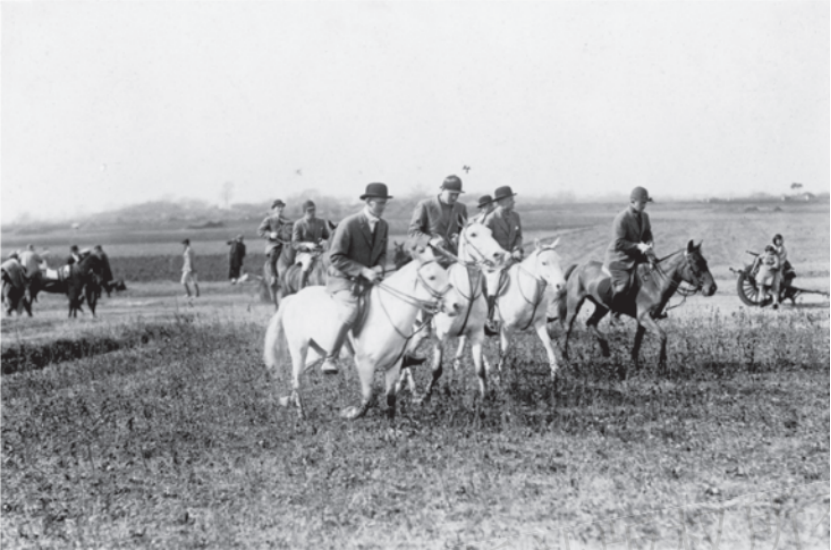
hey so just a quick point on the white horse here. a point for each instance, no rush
(380, 340)
(478, 252)
(530, 287)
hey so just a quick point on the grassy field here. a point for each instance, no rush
(156, 425)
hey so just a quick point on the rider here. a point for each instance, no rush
(440, 219)
(307, 235)
(506, 229)
(357, 254)
(270, 228)
(631, 245)
(484, 207)
(74, 255)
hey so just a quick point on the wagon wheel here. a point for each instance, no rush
(748, 292)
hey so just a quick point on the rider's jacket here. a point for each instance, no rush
(354, 247)
(505, 228)
(272, 224)
(434, 218)
(308, 231)
(628, 230)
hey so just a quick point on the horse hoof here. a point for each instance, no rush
(351, 413)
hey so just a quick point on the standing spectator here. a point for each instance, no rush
(235, 258)
(106, 270)
(189, 269)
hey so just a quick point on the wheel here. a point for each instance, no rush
(749, 293)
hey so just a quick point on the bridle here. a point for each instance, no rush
(683, 291)
(431, 307)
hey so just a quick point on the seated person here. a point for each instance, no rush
(766, 269)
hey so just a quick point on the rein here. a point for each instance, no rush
(428, 306)
(684, 292)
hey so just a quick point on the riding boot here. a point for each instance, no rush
(330, 364)
(304, 276)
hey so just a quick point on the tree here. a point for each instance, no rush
(227, 193)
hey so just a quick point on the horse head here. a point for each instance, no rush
(695, 270)
(477, 245)
(434, 281)
(545, 264)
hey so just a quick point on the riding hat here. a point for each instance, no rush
(484, 200)
(452, 183)
(640, 194)
(278, 202)
(778, 236)
(308, 205)
(503, 193)
(378, 190)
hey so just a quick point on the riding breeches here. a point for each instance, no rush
(347, 306)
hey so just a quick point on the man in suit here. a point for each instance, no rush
(506, 229)
(74, 255)
(308, 234)
(484, 207)
(631, 245)
(440, 219)
(271, 228)
(357, 255)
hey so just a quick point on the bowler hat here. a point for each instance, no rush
(278, 202)
(640, 194)
(308, 204)
(503, 193)
(378, 190)
(484, 200)
(452, 183)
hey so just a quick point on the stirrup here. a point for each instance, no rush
(491, 328)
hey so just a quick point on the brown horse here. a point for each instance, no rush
(652, 288)
(291, 277)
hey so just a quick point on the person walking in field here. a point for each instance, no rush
(271, 229)
(506, 228)
(308, 235)
(189, 269)
(440, 219)
(236, 255)
(631, 245)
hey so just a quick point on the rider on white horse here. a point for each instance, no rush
(307, 235)
(506, 228)
(440, 219)
(358, 254)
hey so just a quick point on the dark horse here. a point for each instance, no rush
(81, 282)
(651, 289)
(290, 268)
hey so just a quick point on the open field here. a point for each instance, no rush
(157, 425)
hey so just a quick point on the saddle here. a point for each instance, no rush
(59, 274)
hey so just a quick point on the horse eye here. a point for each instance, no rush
(431, 278)
(473, 234)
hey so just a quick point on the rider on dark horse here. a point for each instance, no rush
(307, 235)
(270, 228)
(631, 245)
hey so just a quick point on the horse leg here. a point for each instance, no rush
(438, 356)
(460, 349)
(636, 347)
(652, 326)
(504, 347)
(591, 324)
(366, 370)
(391, 378)
(476, 343)
(573, 308)
(542, 331)
(298, 362)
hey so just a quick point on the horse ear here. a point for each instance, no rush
(690, 247)
(698, 246)
(537, 244)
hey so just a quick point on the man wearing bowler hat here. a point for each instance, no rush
(271, 228)
(506, 229)
(484, 207)
(440, 219)
(357, 255)
(307, 235)
(631, 245)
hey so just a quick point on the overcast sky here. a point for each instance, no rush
(108, 104)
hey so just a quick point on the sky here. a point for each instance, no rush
(107, 104)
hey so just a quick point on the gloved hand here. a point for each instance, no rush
(437, 242)
(273, 234)
(516, 254)
(643, 247)
(371, 274)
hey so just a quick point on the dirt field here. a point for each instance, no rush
(155, 424)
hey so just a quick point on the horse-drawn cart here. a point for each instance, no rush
(751, 293)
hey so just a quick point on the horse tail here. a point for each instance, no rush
(271, 352)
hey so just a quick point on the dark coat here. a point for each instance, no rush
(628, 230)
(275, 224)
(431, 218)
(506, 229)
(353, 248)
(237, 253)
(308, 231)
